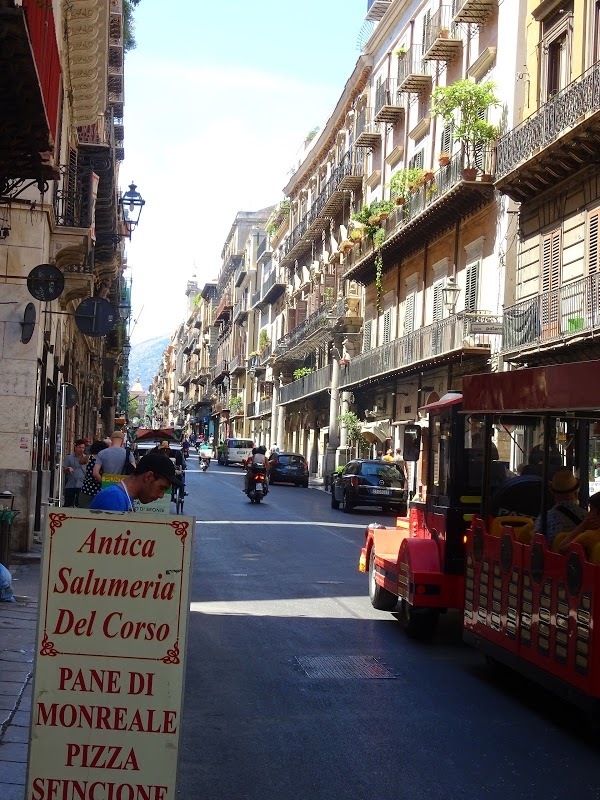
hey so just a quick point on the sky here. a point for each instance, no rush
(217, 106)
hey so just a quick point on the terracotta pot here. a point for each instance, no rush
(428, 176)
(399, 201)
(374, 219)
(383, 215)
(443, 161)
(486, 177)
(469, 173)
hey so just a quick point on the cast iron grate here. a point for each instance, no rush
(344, 667)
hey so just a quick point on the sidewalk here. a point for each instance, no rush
(17, 642)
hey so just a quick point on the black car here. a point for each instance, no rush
(370, 483)
(288, 468)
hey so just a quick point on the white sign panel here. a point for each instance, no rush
(108, 681)
(486, 327)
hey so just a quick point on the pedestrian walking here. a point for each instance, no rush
(91, 486)
(113, 460)
(74, 467)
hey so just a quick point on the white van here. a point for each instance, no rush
(236, 451)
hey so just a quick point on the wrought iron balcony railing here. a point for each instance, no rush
(366, 130)
(274, 286)
(442, 37)
(568, 311)
(317, 381)
(566, 110)
(387, 102)
(414, 74)
(440, 338)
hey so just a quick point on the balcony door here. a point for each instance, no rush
(556, 46)
(409, 326)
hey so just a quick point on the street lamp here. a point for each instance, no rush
(131, 203)
(450, 294)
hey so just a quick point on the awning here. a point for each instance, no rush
(446, 400)
(373, 434)
(151, 434)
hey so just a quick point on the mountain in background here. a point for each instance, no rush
(144, 360)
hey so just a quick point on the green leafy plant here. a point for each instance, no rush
(301, 372)
(311, 134)
(235, 404)
(129, 42)
(465, 103)
(403, 182)
(328, 294)
(353, 425)
(263, 340)
(371, 217)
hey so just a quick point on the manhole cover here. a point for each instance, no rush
(343, 667)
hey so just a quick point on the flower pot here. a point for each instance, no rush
(444, 160)
(345, 246)
(399, 201)
(383, 215)
(374, 219)
(428, 176)
(486, 177)
(444, 33)
(470, 173)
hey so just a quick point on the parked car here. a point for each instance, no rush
(370, 483)
(235, 451)
(288, 468)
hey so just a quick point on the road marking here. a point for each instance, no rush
(275, 522)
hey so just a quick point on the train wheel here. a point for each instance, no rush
(380, 598)
(418, 623)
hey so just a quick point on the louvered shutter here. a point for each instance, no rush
(416, 162)
(409, 326)
(368, 326)
(300, 311)
(426, 20)
(387, 326)
(438, 313)
(593, 283)
(472, 287)
(291, 319)
(447, 138)
(550, 268)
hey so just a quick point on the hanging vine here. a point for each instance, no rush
(371, 218)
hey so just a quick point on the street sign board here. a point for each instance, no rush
(494, 328)
(45, 282)
(112, 633)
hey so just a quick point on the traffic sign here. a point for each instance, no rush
(45, 282)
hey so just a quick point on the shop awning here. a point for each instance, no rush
(446, 400)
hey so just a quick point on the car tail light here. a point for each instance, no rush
(354, 481)
(305, 464)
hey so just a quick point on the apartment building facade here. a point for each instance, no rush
(61, 143)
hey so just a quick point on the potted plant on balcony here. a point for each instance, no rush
(400, 52)
(404, 182)
(235, 405)
(301, 372)
(444, 159)
(345, 246)
(263, 340)
(465, 103)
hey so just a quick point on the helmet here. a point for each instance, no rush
(262, 449)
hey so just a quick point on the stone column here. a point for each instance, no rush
(272, 439)
(334, 437)
(342, 453)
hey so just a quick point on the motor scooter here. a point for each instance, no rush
(258, 485)
(204, 462)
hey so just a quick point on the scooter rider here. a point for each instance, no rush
(257, 462)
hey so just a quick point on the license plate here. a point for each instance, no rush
(381, 491)
(258, 487)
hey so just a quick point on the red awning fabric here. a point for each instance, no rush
(150, 434)
(446, 400)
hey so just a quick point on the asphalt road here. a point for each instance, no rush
(297, 689)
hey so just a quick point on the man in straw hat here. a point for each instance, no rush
(566, 513)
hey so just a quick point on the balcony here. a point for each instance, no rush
(442, 37)
(367, 133)
(72, 201)
(376, 9)
(240, 311)
(237, 364)
(442, 342)
(219, 371)
(261, 408)
(317, 329)
(273, 287)
(30, 88)
(264, 251)
(318, 381)
(256, 299)
(224, 308)
(346, 177)
(240, 273)
(387, 104)
(414, 74)
(434, 207)
(560, 139)
(473, 11)
(552, 319)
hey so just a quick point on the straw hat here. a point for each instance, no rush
(564, 482)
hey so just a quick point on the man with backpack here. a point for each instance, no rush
(114, 460)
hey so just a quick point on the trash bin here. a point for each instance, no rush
(6, 519)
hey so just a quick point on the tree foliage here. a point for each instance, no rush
(129, 42)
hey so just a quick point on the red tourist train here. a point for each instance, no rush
(468, 543)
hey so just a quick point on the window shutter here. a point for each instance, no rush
(438, 307)
(291, 319)
(387, 326)
(593, 243)
(551, 261)
(447, 138)
(472, 287)
(426, 20)
(416, 162)
(367, 335)
(409, 313)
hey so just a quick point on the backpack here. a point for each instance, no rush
(127, 466)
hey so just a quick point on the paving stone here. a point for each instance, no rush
(16, 733)
(11, 688)
(13, 791)
(7, 703)
(21, 718)
(13, 772)
(16, 672)
(18, 656)
(13, 751)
